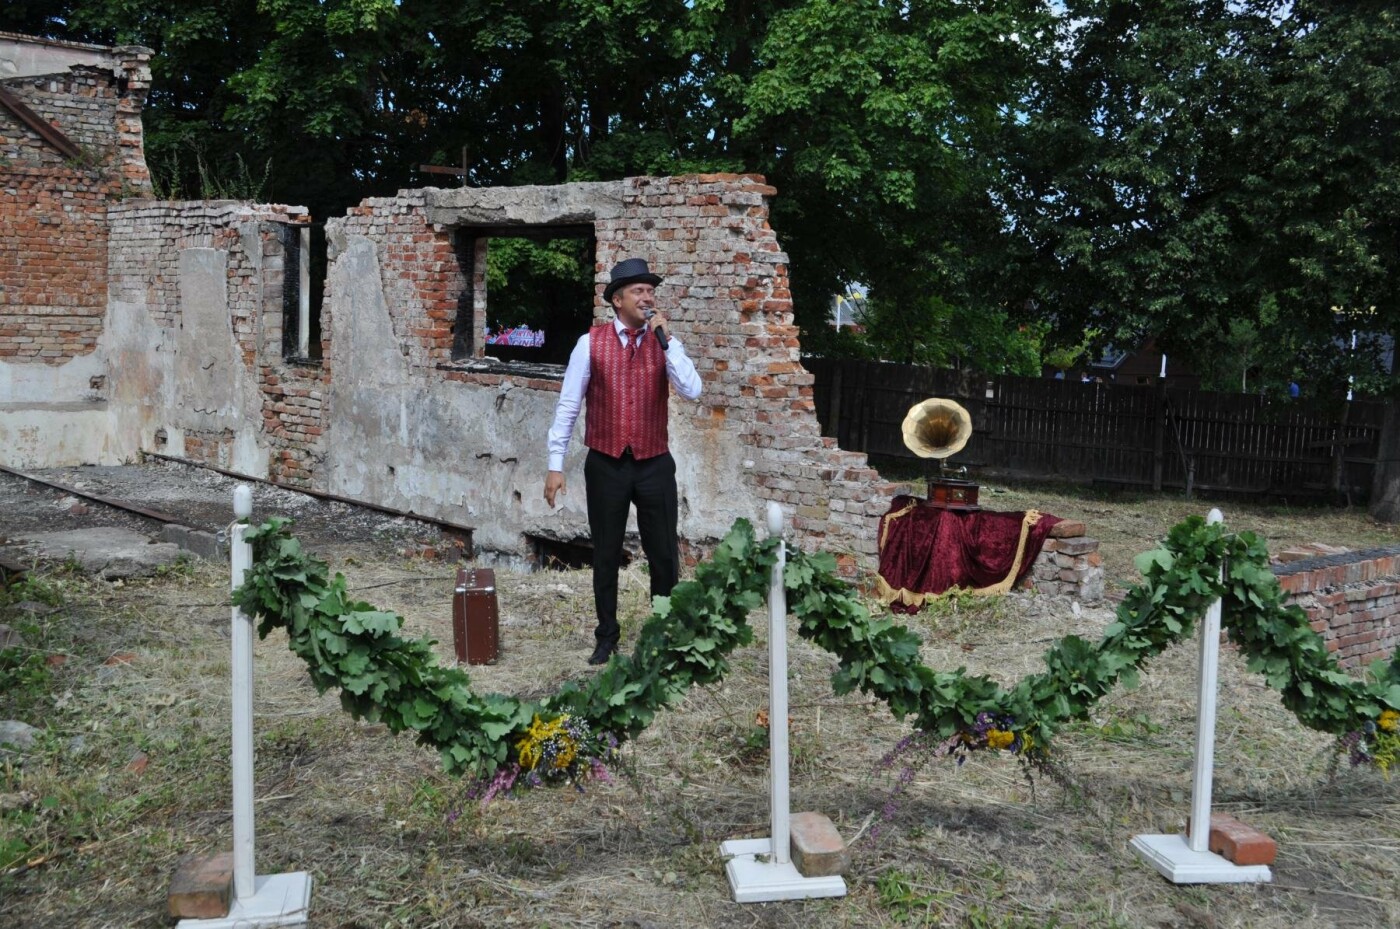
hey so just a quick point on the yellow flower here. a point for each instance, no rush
(1000, 738)
(529, 748)
(1389, 721)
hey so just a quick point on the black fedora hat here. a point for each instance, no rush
(629, 271)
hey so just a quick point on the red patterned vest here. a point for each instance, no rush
(626, 396)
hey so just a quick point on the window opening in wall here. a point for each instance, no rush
(538, 292)
(303, 284)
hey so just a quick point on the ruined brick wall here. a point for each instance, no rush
(1352, 600)
(284, 416)
(424, 277)
(727, 295)
(53, 232)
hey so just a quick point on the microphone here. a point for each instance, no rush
(660, 333)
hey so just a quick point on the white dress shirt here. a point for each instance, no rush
(680, 371)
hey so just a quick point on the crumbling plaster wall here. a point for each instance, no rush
(195, 338)
(54, 370)
(194, 334)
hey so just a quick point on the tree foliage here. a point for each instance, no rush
(1209, 172)
(1204, 170)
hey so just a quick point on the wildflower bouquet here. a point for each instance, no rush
(1376, 743)
(995, 732)
(561, 749)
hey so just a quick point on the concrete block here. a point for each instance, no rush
(1082, 545)
(197, 542)
(817, 848)
(202, 887)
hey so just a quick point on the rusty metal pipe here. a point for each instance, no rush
(98, 498)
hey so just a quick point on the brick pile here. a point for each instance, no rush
(1069, 564)
(53, 230)
(1352, 600)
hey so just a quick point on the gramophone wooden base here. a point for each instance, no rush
(953, 494)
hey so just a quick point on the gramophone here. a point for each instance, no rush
(937, 429)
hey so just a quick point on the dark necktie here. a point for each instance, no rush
(634, 338)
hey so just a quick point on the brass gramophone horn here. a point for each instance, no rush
(936, 428)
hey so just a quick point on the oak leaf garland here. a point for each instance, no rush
(687, 640)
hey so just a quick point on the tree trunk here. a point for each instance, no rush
(1385, 485)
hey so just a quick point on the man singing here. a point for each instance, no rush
(621, 369)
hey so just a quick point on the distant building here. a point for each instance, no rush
(1134, 367)
(848, 309)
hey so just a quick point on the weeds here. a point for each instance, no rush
(907, 905)
(25, 679)
(222, 181)
(184, 566)
(31, 589)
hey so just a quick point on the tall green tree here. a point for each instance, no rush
(876, 121)
(1193, 169)
(871, 117)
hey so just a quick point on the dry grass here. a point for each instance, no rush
(1126, 523)
(392, 841)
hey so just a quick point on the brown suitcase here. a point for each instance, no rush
(476, 632)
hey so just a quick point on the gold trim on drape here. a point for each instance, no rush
(1004, 585)
(885, 530)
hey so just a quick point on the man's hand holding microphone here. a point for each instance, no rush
(657, 323)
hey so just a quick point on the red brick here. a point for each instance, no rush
(202, 887)
(1240, 842)
(1081, 545)
(1067, 529)
(817, 848)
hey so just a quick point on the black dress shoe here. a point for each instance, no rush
(602, 653)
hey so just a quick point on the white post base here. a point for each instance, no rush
(755, 881)
(1180, 864)
(280, 900)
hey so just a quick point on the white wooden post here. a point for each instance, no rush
(272, 900)
(1207, 686)
(1183, 859)
(778, 798)
(241, 555)
(761, 870)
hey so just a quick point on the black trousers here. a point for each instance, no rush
(612, 486)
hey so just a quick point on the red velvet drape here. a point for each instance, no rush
(926, 550)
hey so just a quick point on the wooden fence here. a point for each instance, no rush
(1151, 437)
